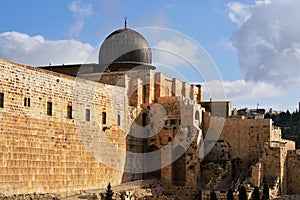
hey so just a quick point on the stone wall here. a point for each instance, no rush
(220, 151)
(221, 195)
(82, 144)
(175, 132)
(256, 174)
(52, 153)
(86, 148)
(246, 137)
(261, 149)
(293, 172)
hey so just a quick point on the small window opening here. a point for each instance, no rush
(119, 120)
(144, 93)
(69, 112)
(103, 117)
(87, 115)
(1, 100)
(49, 108)
(27, 101)
(144, 119)
(172, 122)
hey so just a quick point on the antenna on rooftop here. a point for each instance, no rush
(125, 21)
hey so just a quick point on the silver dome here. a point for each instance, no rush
(125, 46)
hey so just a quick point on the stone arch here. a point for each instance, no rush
(178, 166)
(153, 163)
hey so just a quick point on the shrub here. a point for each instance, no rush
(213, 195)
(230, 195)
(243, 193)
(266, 194)
(255, 194)
(109, 193)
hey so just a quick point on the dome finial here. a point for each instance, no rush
(125, 21)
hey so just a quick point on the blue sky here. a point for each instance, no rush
(250, 62)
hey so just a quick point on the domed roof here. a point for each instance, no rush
(125, 46)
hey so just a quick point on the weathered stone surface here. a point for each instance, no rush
(42, 153)
(261, 152)
(52, 153)
(30, 197)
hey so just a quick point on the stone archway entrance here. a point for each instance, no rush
(153, 163)
(179, 166)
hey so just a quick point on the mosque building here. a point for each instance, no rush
(68, 128)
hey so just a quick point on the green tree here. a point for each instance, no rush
(230, 195)
(109, 193)
(255, 194)
(243, 193)
(266, 194)
(213, 195)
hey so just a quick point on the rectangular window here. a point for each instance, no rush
(144, 93)
(119, 120)
(1, 100)
(49, 108)
(87, 115)
(69, 112)
(172, 122)
(103, 117)
(144, 119)
(27, 101)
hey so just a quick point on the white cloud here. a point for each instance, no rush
(80, 12)
(241, 89)
(176, 51)
(268, 43)
(248, 93)
(260, 2)
(184, 57)
(177, 55)
(77, 26)
(239, 13)
(79, 8)
(36, 50)
(227, 45)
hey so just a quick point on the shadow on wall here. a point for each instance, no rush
(135, 147)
